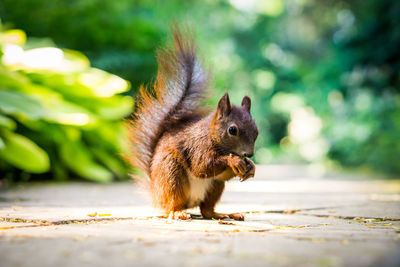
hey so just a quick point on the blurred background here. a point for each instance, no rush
(324, 77)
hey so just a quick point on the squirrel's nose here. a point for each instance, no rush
(248, 155)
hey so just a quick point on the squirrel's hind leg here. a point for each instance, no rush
(207, 207)
(170, 186)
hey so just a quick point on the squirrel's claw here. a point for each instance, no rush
(237, 216)
(238, 166)
(179, 215)
(250, 170)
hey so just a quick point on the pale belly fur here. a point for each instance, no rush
(199, 188)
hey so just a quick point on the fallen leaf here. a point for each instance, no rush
(130, 255)
(318, 240)
(284, 227)
(149, 243)
(79, 238)
(6, 227)
(387, 224)
(105, 214)
(236, 230)
(213, 240)
(224, 222)
(66, 253)
(370, 224)
(195, 252)
(314, 240)
(290, 211)
(92, 214)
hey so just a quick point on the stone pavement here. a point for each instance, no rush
(292, 219)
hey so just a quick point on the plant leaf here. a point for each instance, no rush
(79, 159)
(15, 103)
(7, 123)
(23, 153)
(14, 36)
(111, 108)
(2, 145)
(112, 161)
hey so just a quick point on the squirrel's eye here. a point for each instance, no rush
(232, 130)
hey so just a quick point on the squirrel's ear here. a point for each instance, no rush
(246, 103)
(224, 106)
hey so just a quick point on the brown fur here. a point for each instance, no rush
(178, 146)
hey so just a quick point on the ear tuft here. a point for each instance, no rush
(224, 106)
(246, 103)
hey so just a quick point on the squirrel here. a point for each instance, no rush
(188, 154)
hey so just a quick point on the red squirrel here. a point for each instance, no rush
(186, 153)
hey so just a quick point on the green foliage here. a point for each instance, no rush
(59, 116)
(23, 153)
(118, 36)
(323, 75)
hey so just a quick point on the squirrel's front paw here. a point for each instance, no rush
(238, 165)
(250, 170)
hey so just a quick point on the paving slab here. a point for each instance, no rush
(292, 219)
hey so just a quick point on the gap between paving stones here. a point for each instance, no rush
(43, 223)
(194, 216)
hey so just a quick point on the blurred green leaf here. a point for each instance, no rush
(14, 36)
(102, 83)
(2, 145)
(54, 107)
(112, 161)
(11, 80)
(75, 61)
(64, 112)
(15, 103)
(79, 159)
(23, 153)
(111, 108)
(91, 83)
(7, 123)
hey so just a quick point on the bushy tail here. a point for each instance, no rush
(177, 93)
